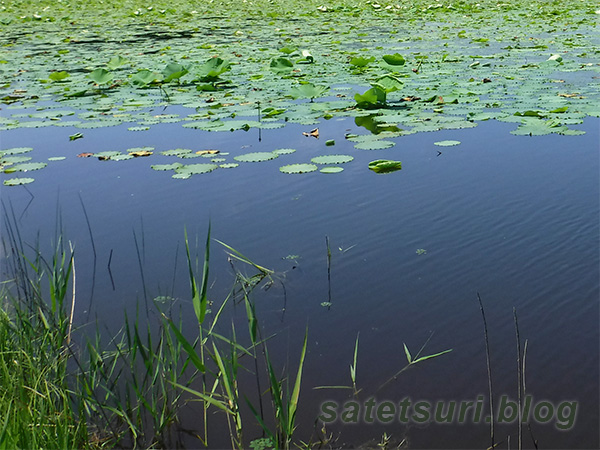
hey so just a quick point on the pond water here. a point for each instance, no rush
(513, 218)
(510, 214)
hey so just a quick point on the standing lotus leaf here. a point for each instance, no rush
(384, 166)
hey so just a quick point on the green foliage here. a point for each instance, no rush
(384, 166)
(308, 90)
(101, 76)
(173, 72)
(394, 60)
(212, 69)
(372, 98)
(59, 76)
(281, 66)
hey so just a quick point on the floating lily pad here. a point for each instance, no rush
(256, 157)
(384, 166)
(194, 169)
(14, 159)
(298, 168)
(446, 143)
(176, 152)
(228, 165)
(332, 159)
(25, 167)
(284, 151)
(374, 145)
(166, 166)
(16, 150)
(138, 128)
(56, 158)
(332, 169)
(18, 181)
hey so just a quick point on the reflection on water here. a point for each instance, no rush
(514, 218)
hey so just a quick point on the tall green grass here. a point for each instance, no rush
(127, 391)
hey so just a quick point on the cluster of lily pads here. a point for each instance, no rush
(264, 66)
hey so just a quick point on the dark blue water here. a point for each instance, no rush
(513, 218)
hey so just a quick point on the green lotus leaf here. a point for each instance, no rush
(59, 76)
(228, 165)
(145, 77)
(138, 128)
(182, 175)
(288, 50)
(5, 160)
(372, 98)
(25, 167)
(173, 166)
(394, 60)
(173, 72)
(390, 83)
(538, 127)
(308, 90)
(256, 157)
(332, 169)
(101, 76)
(446, 143)
(284, 151)
(15, 151)
(359, 61)
(385, 166)
(332, 159)
(298, 168)
(194, 169)
(18, 181)
(115, 62)
(212, 69)
(56, 158)
(281, 66)
(176, 152)
(374, 145)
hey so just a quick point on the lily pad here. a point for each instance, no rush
(176, 152)
(446, 143)
(256, 157)
(166, 166)
(16, 150)
(18, 181)
(374, 145)
(25, 167)
(332, 159)
(228, 165)
(194, 169)
(284, 151)
(332, 169)
(298, 168)
(14, 159)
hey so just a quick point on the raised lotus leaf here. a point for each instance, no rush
(384, 166)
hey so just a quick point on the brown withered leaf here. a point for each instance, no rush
(575, 95)
(208, 152)
(138, 153)
(85, 155)
(314, 133)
